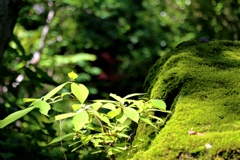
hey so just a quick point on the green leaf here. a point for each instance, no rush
(109, 106)
(64, 116)
(93, 127)
(54, 91)
(127, 122)
(131, 113)
(29, 99)
(157, 118)
(133, 95)
(80, 92)
(114, 113)
(121, 118)
(14, 116)
(43, 106)
(122, 135)
(80, 120)
(76, 107)
(118, 98)
(96, 105)
(103, 118)
(58, 139)
(72, 75)
(146, 120)
(157, 103)
(97, 152)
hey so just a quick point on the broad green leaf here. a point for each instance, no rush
(146, 120)
(14, 116)
(114, 113)
(72, 75)
(29, 99)
(122, 135)
(96, 105)
(121, 118)
(80, 120)
(103, 118)
(76, 107)
(157, 103)
(64, 116)
(109, 106)
(95, 128)
(131, 113)
(54, 91)
(58, 139)
(43, 106)
(118, 98)
(86, 139)
(120, 128)
(80, 92)
(133, 95)
(127, 122)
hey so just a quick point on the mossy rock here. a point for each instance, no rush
(200, 82)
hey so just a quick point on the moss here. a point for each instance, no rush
(200, 83)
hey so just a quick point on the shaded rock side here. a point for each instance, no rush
(200, 82)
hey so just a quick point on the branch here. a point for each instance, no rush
(36, 56)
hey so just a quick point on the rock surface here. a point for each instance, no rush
(200, 82)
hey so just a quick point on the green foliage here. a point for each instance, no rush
(104, 124)
(111, 44)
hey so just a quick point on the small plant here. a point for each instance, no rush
(103, 123)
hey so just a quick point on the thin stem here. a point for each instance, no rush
(60, 125)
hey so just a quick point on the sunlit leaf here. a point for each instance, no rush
(122, 135)
(60, 138)
(131, 113)
(54, 91)
(127, 122)
(114, 113)
(80, 120)
(121, 118)
(109, 106)
(157, 103)
(72, 75)
(64, 116)
(29, 99)
(14, 116)
(97, 152)
(76, 107)
(43, 106)
(80, 92)
(157, 118)
(96, 105)
(118, 98)
(146, 120)
(133, 95)
(103, 118)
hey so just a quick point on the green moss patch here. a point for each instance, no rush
(200, 83)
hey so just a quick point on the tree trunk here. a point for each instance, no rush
(9, 10)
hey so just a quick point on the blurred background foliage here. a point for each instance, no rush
(111, 44)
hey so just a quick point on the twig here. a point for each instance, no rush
(60, 125)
